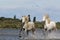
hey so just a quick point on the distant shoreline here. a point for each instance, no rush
(15, 23)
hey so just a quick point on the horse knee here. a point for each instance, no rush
(50, 30)
(45, 29)
(33, 29)
(27, 32)
(55, 28)
(23, 28)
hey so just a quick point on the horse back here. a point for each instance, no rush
(53, 23)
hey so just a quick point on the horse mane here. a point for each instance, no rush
(26, 18)
(48, 20)
(47, 17)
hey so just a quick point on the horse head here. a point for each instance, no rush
(24, 19)
(46, 16)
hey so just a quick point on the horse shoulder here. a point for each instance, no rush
(30, 22)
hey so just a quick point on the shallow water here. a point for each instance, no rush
(13, 34)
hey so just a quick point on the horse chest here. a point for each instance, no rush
(51, 25)
(28, 25)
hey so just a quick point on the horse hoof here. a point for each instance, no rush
(23, 29)
(49, 30)
(45, 29)
(20, 36)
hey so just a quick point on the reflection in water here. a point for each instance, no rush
(13, 34)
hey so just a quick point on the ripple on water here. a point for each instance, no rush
(12, 34)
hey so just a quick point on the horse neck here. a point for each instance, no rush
(26, 22)
(47, 21)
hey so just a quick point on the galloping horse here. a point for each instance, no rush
(28, 26)
(49, 25)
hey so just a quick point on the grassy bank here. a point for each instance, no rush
(16, 23)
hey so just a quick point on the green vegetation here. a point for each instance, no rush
(9, 23)
(58, 25)
(41, 24)
(16, 23)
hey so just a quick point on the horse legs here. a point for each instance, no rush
(55, 28)
(45, 29)
(33, 30)
(27, 32)
(20, 32)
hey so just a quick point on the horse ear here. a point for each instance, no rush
(46, 15)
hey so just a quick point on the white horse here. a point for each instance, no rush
(49, 25)
(28, 26)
